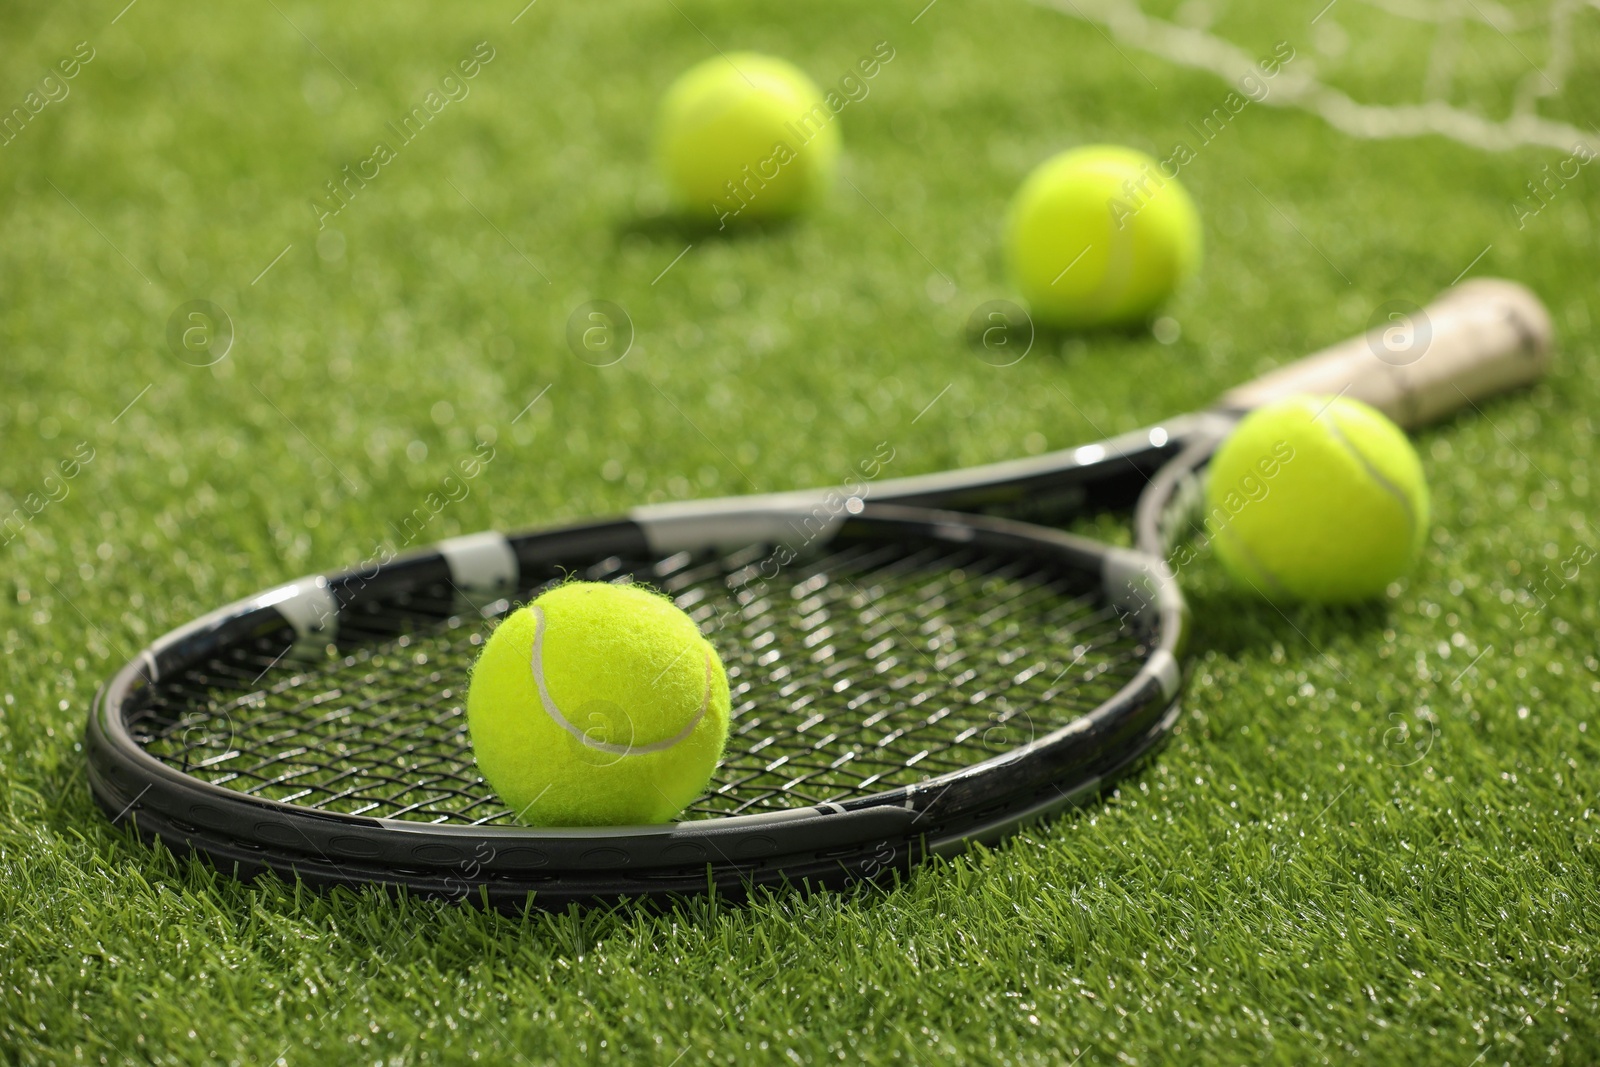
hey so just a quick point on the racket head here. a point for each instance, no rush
(907, 682)
(1478, 339)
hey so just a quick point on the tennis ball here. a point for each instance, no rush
(598, 704)
(746, 136)
(1317, 499)
(1100, 236)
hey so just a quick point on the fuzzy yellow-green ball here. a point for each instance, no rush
(1317, 499)
(746, 136)
(1100, 236)
(596, 705)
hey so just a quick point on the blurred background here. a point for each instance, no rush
(216, 375)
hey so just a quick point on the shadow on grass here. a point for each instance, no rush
(1058, 338)
(1002, 332)
(1234, 622)
(672, 228)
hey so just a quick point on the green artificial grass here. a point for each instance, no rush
(1373, 835)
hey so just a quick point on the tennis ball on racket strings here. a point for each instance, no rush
(598, 704)
(1316, 498)
(1100, 236)
(746, 136)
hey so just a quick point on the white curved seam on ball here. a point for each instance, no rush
(536, 666)
(1375, 474)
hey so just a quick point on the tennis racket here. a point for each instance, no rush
(915, 664)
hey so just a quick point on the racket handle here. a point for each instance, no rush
(1481, 337)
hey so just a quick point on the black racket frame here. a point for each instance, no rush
(829, 845)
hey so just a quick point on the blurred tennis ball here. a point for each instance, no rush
(1317, 499)
(746, 136)
(598, 704)
(1099, 236)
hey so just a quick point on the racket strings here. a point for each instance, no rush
(853, 671)
(378, 731)
(901, 611)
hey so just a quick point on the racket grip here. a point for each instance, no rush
(1479, 338)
